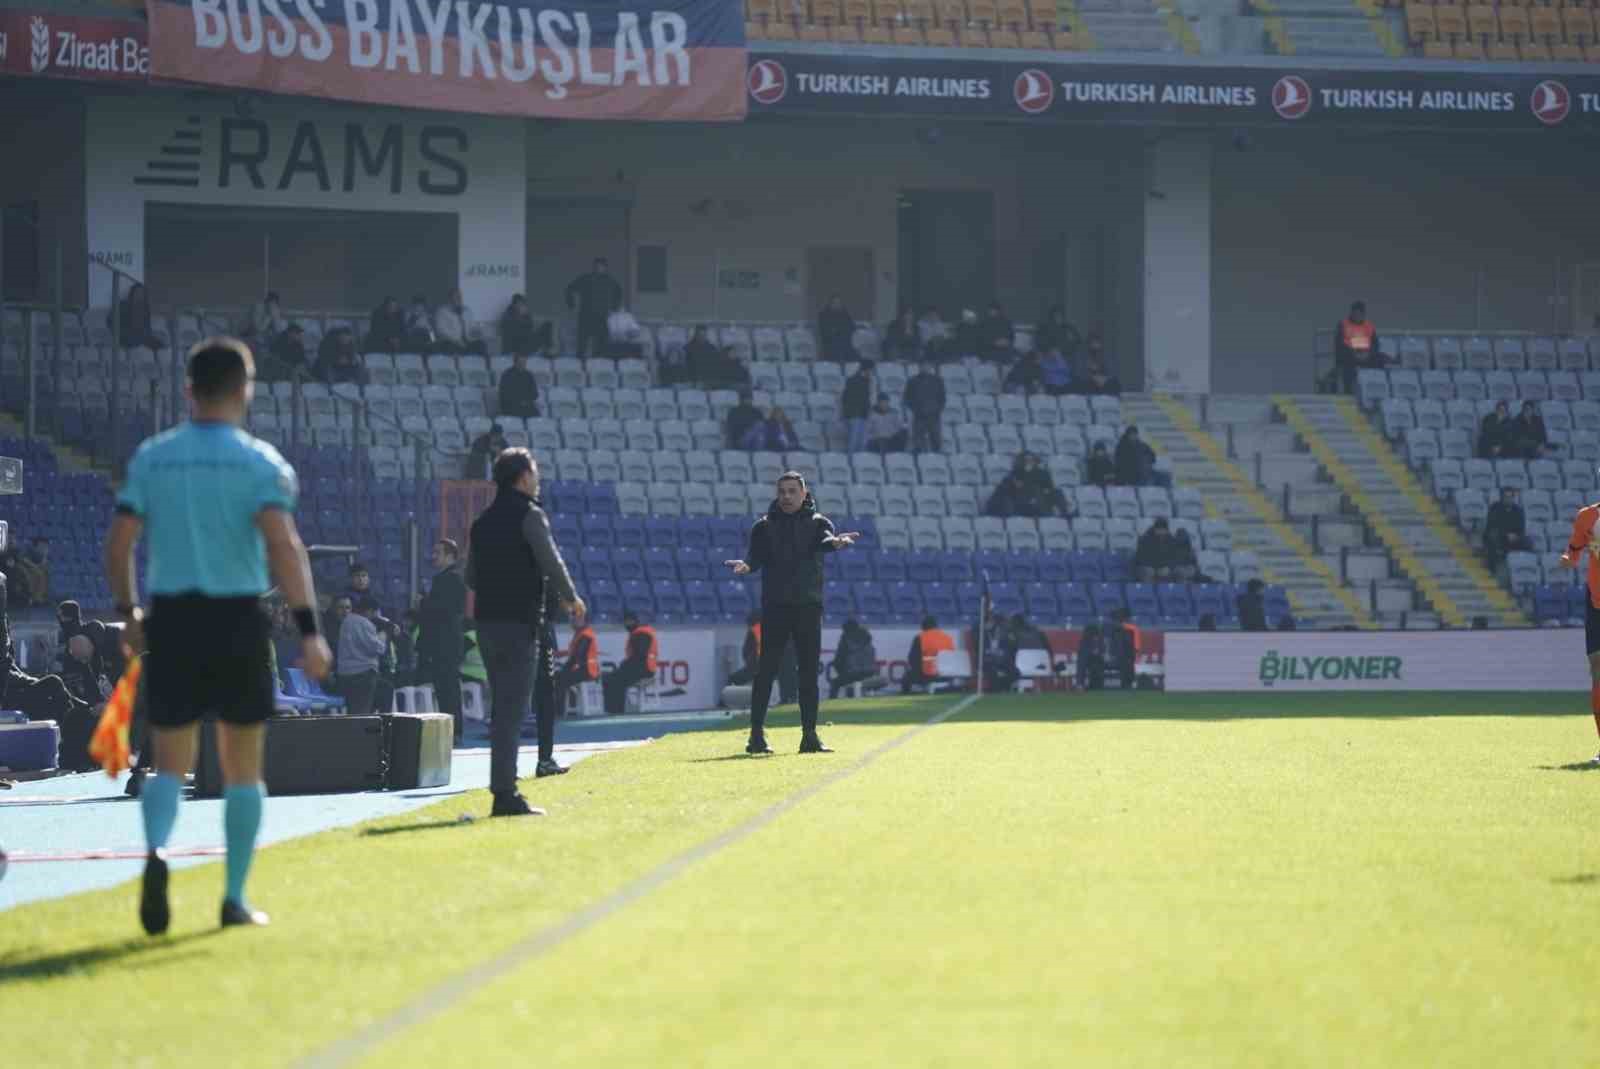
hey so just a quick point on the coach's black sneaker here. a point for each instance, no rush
(757, 746)
(154, 913)
(548, 767)
(814, 744)
(234, 915)
(513, 805)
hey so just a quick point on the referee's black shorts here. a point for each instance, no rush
(209, 657)
(1591, 625)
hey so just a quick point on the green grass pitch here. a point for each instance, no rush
(1121, 880)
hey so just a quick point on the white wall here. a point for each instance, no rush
(1305, 222)
(1177, 265)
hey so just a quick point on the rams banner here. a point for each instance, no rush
(669, 59)
(1030, 90)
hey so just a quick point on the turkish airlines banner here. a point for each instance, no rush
(48, 44)
(679, 59)
(1112, 93)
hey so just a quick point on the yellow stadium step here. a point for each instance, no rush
(1424, 544)
(1287, 559)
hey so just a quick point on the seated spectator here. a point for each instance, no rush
(455, 330)
(363, 646)
(419, 325)
(741, 418)
(775, 433)
(133, 322)
(721, 370)
(1091, 660)
(286, 356)
(639, 662)
(855, 660)
(1529, 439)
(1055, 372)
(266, 321)
(625, 336)
(1136, 461)
(69, 618)
(485, 448)
(337, 360)
(922, 660)
(1505, 530)
(1155, 555)
(901, 339)
(1496, 434)
(968, 339)
(933, 333)
(886, 428)
(519, 391)
(83, 672)
(999, 653)
(1026, 375)
(1006, 500)
(1056, 333)
(518, 334)
(701, 352)
(387, 332)
(997, 335)
(1097, 381)
(1252, 606)
(1041, 497)
(1185, 566)
(836, 330)
(1100, 471)
(749, 654)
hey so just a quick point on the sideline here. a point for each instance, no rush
(453, 991)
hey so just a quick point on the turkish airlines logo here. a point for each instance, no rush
(767, 82)
(1034, 91)
(1291, 97)
(1551, 102)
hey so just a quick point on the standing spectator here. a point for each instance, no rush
(922, 660)
(83, 673)
(1026, 375)
(594, 297)
(1091, 660)
(1055, 372)
(925, 400)
(836, 330)
(856, 405)
(17, 572)
(638, 664)
(999, 653)
(1136, 461)
(442, 626)
(1252, 606)
(363, 641)
(342, 607)
(360, 583)
(454, 328)
(1505, 530)
(855, 659)
(339, 362)
(583, 662)
(286, 357)
(1153, 556)
(387, 332)
(517, 331)
(1497, 433)
(932, 332)
(1125, 643)
(419, 325)
(133, 321)
(1528, 436)
(775, 433)
(901, 340)
(969, 337)
(519, 391)
(1355, 346)
(997, 335)
(886, 428)
(485, 448)
(742, 417)
(749, 653)
(1055, 333)
(1101, 471)
(266, 321)
(701, 357)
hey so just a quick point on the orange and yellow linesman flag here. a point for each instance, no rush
(109, 745)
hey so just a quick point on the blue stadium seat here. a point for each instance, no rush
(864, 525)
(990, 564)
(628, 532)
(636, 597)
(566, 529)
(1022, 567)
(659, 563)
(597, 530)
(669, 596)
(600, 497)
(872, 603)
(736, 600)
(1054, 568)
(889, 566)
(693, 564)
(730, 535)
(1107, 598)
(596, 563)
(1074, 599)
(1087, 566)
(922, 566)
(939, 599)
(969, 594)
(701, 598)
(661, 530)
(1175, 599)
(1142, 599)
(1209, 598)
(1041, 601)
(627, 565)
(852, 566)
(1179, 622)
(604, 599)
(905, 601)
(1116, 567)
(837, 600)
(1006, 598)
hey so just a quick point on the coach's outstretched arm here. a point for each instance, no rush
(291, 567)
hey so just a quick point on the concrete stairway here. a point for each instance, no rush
(1201, 437)
(1425, 546)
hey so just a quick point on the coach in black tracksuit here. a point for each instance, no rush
(787, 544)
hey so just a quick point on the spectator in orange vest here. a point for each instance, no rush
(1355, 346)
(583, 663)
(922, 662)
(638, 664)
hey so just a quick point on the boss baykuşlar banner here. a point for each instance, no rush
(675, 59)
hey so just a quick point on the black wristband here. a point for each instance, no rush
(306, 621)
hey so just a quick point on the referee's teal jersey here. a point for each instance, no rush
(198, 488)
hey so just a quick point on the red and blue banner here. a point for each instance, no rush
(674, 60)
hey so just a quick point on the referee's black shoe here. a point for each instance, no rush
(513, 804)
(234, 915)
(757, 746)
(814, 744)
(154, 913)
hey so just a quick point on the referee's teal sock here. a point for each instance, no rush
(158, 801)
(241, 819)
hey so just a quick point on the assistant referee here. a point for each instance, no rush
(215, 506)
(787, 545)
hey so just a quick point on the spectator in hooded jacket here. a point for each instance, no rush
(925, 399)
(855, 660)
(1136, 461)
(518, 333)
(387, 332)
(855, 405)
(836, 330)
(337, 359)
(519, 391)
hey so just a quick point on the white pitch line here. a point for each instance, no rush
(457, 989)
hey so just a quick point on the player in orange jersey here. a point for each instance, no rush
(1583, 544)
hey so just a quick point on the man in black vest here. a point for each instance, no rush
(788, 544)
(513, 565)
(440, 645)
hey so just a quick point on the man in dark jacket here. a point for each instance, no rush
(1505, 530)
(742, 417)
(441, 619)
(854, 661)
(855, 405)
(1253, 607)
(836, 331)
(513, 566)
(924, 399)
(787, 545)
(519, 393)
(594, 296)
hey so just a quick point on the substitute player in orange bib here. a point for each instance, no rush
(1583, 544)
